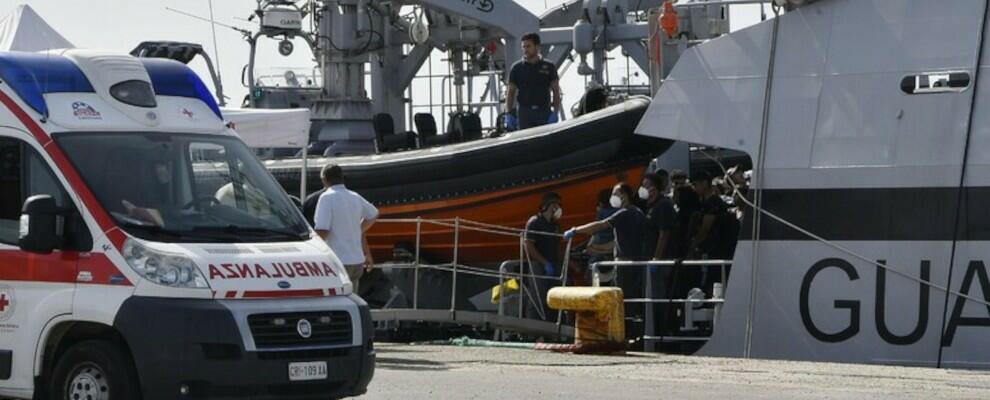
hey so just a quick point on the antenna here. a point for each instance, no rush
(241, 30)
(216, 50)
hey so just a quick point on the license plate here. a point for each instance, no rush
(308, 371)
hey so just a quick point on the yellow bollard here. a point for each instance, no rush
(600, 324)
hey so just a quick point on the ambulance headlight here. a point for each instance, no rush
(163, 268)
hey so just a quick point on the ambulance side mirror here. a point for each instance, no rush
(38, 229)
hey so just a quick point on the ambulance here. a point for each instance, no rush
(145, 253)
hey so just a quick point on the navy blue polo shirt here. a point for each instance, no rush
(630, 230)
(547, 245)
(532, 82)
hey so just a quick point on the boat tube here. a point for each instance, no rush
(493, 180)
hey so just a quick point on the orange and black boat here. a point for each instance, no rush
(496, 181)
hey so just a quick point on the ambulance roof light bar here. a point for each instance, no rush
(32, 75)
(172, 78)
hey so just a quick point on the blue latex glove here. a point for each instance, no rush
(570, 234)
(548, 269)
(511, 123)
(554, 118)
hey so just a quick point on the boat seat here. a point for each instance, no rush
(426, 129)
(386, 139)
(464, 126)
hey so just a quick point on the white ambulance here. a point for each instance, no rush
(146, 253)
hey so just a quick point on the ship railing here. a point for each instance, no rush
(691, 313)
(528, 285)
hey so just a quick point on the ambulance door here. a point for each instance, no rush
(34, 288)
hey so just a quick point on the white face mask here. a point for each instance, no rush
(644, 193)
(615, 201)
(558, 213)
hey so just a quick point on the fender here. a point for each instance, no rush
(46, 332)
(55, 302)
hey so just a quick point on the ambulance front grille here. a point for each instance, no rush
(281, 331)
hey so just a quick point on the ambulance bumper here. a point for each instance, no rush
(204, 349)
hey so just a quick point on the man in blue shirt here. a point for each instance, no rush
(531, 81)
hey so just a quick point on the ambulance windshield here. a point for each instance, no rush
(184, 188)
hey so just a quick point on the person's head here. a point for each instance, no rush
(163, 175)
(603, 197)
(622, 195)
(550, 206)
(653, 186)
(531, 45)
(702, 182)
(678, 178)
(332, 174)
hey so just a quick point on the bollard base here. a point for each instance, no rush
(600, 325)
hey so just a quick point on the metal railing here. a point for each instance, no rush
(650, 338)
(509, 269)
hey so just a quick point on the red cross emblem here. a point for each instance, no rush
(3, 302)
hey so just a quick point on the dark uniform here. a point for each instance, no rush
(532, 81)
(549, 248)
(715, 246)
(629, 225)
(662, 217)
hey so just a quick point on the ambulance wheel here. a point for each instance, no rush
(93, 370)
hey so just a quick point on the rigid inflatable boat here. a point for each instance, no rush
(493, 180)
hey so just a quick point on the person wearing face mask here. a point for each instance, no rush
(542, 242)
(544, 250)
(660, 214)
(629, 225)
(660, 244)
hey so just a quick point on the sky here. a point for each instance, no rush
(121, 24)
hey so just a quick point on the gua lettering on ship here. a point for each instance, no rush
(301, 269)
(975, 279)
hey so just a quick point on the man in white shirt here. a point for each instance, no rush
(342, 217)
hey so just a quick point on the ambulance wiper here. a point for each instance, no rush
(249, 230)
(156, 230)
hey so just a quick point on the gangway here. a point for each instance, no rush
(512, 317)
(502, 319)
